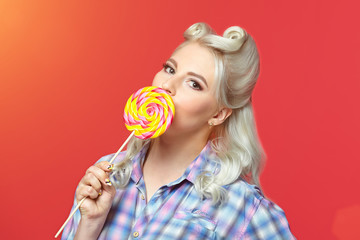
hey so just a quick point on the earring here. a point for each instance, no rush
(211, 124)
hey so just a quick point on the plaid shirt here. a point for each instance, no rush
(176, 211)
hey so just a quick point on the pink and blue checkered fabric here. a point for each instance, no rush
(176, 211)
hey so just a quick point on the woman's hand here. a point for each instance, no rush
(99, 193)
(96, 186)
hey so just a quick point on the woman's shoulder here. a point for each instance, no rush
(260, 216)
(252, 194)
(242, 189)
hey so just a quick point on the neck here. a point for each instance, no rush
(177, 151)
(168, 157)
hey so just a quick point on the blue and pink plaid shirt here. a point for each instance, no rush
(176, 211)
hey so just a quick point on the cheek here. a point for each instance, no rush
(197, 107)
(156, 81)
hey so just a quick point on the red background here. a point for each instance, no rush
(67, 68)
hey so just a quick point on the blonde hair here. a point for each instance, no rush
(236, 141)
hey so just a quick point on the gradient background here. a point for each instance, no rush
(67, 68)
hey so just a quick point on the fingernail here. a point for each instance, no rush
(107, 181)
(110, 167)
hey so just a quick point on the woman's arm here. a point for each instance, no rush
(89, 228)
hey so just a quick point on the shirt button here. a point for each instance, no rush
(142, 197)
(135, 234)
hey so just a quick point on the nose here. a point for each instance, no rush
(169, 86)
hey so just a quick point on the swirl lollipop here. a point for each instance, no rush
(148, 113)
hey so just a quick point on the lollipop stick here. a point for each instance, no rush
(68, 219)
(122, 146)
(82, 200)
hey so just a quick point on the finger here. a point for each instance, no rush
(97, 172)
(86, 191)
(91, 192)
(89, 180)
(92, 180)
(101, 175)
(105, 166)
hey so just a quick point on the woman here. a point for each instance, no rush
(200, 179)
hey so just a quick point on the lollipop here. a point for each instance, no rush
(148, 113)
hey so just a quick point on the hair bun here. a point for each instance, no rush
(197, 30)
(236, 33)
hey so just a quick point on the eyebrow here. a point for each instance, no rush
(190, 73)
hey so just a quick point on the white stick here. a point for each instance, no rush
(82, 200)
(121, 148)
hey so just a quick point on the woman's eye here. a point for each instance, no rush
(168, 69)
(195, 85)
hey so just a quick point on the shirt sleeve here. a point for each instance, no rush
(70, 228)
(268, 222)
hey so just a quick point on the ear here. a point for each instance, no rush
(220, 117)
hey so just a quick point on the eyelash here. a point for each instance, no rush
(198, 85)
(165, 66)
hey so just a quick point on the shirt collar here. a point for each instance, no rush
(207, 161)
(138, 160)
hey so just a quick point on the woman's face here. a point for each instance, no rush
(188, 76)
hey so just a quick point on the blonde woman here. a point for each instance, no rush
(200, 179)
